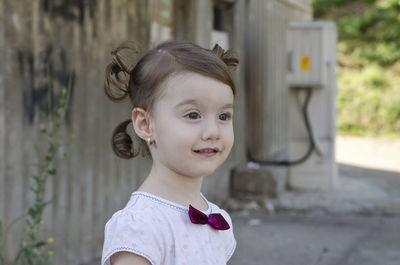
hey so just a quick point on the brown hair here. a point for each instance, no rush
(141, 81)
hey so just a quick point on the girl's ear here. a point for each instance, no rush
(141, 123)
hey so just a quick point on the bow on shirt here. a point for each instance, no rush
(216, 220)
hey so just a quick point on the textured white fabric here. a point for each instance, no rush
(161, 231)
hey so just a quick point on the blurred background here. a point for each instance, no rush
(314, 174)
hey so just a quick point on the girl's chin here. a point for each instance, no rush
(203, 173)
(199, 169)
(198, 173)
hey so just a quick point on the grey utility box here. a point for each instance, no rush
(311, 62)
(311, 52)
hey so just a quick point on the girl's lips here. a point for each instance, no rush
(207, 151)
(208, 154)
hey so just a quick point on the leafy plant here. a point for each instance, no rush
(33, 249)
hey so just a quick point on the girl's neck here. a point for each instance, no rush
(171, 186)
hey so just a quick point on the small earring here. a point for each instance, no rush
(149, 141)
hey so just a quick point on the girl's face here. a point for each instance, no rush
(192, 125)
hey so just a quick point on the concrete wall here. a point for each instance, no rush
(47, 44)
(266, 72)
(267, 97)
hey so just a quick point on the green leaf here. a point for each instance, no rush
(36, 178)
(48, 158)
(32, 212)
(39, 244)
(52, 172)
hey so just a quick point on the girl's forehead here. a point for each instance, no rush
(190, 85)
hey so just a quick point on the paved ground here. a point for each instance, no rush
(369, 153)
(357, 224)
(288, 239)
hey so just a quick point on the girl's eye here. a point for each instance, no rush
(193, 115)
(225, 116)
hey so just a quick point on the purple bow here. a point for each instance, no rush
(216, 220)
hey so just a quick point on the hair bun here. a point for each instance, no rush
(121, 142)
(227, 57)
(116, 85)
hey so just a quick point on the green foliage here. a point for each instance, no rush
(33, 249)
(373, 77)
(374, 31)
(385, 54)
(368, 101)
(321, 7)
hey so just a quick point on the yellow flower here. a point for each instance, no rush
(50, 240)
(50, 253)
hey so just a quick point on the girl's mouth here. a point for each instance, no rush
(207, 151)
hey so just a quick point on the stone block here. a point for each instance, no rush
(255, 182)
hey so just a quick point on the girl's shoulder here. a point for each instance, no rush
(138, 228)
(144, 208)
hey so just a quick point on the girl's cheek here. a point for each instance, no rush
(185, 128)
(229, 134)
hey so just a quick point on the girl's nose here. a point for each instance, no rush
(211, 130)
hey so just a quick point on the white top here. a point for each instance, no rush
(161, 231)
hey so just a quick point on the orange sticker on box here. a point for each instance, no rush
(305, 63)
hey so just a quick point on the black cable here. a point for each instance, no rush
(310, 138)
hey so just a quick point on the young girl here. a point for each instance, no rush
(182, 97)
